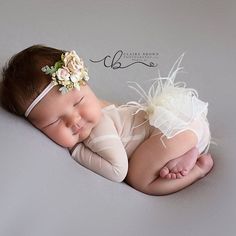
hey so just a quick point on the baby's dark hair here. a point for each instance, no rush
(22, 78)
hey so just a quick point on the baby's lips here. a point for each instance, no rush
(76, 128)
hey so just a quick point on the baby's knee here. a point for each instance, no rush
(140, 183)
(136, 181)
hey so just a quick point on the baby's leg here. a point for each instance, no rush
(149, 158)
(164, 186)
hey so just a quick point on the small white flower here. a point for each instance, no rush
(77, 85)
(63, 90)
(74, 78)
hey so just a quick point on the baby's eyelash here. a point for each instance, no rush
(77, 103)
(53, 122)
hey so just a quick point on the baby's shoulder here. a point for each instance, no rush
(109, 107)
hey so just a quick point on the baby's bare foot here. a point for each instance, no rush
(180, 166)
(205, 163)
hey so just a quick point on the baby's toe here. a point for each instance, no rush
(184, 172)
(168, 176)
(179, 176)
(164, 172)
(173, 176)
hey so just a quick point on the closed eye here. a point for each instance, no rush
(54, 122)
(77, 103)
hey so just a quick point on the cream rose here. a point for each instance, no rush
(73, 62)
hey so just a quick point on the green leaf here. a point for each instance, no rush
(46, 70)
(58, 65)
(50, 70)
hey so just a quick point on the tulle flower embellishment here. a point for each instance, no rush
(68, 73)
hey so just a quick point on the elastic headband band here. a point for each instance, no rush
(39, 98)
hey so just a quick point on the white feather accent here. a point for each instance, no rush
(169, 106)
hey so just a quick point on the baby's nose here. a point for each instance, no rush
(72, 120)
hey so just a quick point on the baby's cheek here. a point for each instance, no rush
(60, 136)
(66, 139)
(96, 114)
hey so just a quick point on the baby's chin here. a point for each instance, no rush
(73, 145)
(80, 139)
(68, 144)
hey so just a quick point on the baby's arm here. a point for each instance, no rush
(103, 152)
(110, 161)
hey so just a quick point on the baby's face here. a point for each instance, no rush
(67, 118)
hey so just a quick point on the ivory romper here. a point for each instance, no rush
(111, 143)
(167, 107)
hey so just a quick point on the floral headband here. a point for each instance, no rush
(68, 73)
